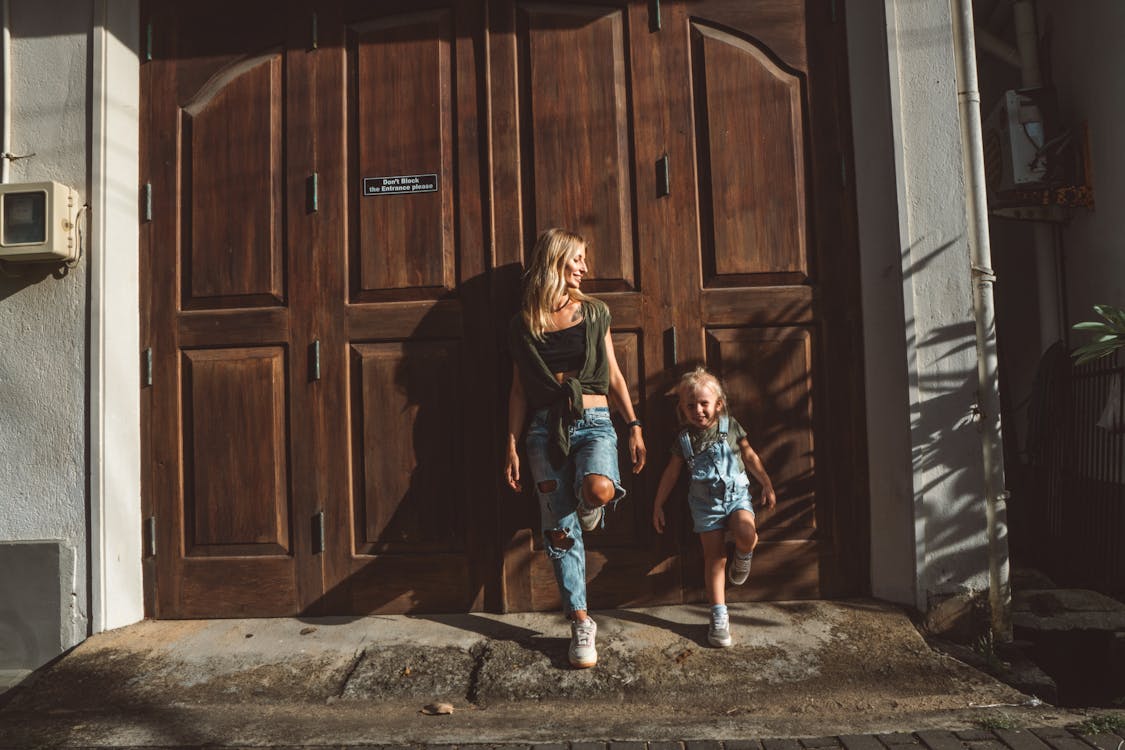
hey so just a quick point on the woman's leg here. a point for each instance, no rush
(714, 564)
(562, 535)
(598, 490)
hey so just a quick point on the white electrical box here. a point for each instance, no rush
(1013, 144)
(37, 222)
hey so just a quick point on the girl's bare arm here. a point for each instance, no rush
(756, 468)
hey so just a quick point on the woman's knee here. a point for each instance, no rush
(597, 489)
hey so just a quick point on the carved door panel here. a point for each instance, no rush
(229, 490)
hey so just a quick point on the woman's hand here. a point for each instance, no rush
(658, 518)
(637, 450)
(512, 470)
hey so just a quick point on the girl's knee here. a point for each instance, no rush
(743, 528)
(597, 489)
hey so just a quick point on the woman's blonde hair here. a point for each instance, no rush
(543, 282)
(700, 377)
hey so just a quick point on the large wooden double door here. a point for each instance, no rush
(339, 198)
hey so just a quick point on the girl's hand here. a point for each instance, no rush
(512, 470)
(658, 518)
(769, 499)
(637, 450)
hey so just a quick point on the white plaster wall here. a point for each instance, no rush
(43, 318)
(1088, 66)
(928, 350)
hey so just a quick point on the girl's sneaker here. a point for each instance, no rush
(583, 652)
(739, 568)
(718, 635)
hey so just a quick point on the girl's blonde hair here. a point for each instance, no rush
(700, 377)
(543, 282)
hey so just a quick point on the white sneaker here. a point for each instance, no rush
(739, 568)
(583, 653)
(718, 635)
(589, 518)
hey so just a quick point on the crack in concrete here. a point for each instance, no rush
(480, 653)
(359, 655)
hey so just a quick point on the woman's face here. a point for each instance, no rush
(575, 268)
(701, 406)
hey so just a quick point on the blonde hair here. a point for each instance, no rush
(544, 282)
(700, 377)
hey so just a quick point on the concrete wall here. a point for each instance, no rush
(928, 504)
(43, 310)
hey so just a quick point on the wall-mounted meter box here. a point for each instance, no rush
(37, 222)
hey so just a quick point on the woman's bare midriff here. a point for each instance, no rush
(588, 399)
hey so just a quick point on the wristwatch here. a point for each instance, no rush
(634, 423)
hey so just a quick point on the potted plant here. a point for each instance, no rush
(1109, 336)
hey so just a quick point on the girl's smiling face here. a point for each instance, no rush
(700, 406)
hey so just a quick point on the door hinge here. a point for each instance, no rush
(832, 3)
(150, 536)
(663, 182)
(146, 368)
(654, 22)
(146, 199)
(313, 186)
(318, 532)
(314, 361)
(315, 32)
(148, 42)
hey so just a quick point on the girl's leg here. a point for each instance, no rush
(714, 565)
(743, 530)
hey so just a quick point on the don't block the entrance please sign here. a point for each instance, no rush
(400, 185)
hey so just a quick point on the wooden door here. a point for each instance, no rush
(412, 509)
(231, 492)
(700, 147)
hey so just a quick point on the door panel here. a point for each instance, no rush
(237, 260)
(576, 161)
(401, 121)
(236, 446)
(748, 107)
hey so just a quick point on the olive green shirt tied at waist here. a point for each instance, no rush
(564, 400)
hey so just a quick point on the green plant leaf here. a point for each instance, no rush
(1092, 325)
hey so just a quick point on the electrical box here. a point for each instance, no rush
(37, 222)
(1013, 144)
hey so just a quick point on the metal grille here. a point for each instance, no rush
(1078, 462)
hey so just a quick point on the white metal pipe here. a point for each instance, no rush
(6, 61)
(980, 252)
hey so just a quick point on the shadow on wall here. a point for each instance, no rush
(33, 624)
(950, 493)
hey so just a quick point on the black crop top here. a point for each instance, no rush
(565, 350)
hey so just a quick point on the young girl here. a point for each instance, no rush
(715, 448)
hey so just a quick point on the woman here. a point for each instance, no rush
(565, 373)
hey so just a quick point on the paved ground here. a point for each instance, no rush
(854, 674)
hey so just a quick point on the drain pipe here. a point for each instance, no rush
(988, 392)
(6, 61)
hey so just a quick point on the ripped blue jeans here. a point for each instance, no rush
(593, 450)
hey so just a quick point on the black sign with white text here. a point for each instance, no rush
(400, 185)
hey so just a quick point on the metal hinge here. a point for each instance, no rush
(146, 368)
(654, 22)
(663, 182)
(150, 536)
(315, 32)
(318, 532)
(313, 186)
(314, 361)
(148, 42)
(146, 209)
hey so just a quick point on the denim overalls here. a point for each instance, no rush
(719, 485)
